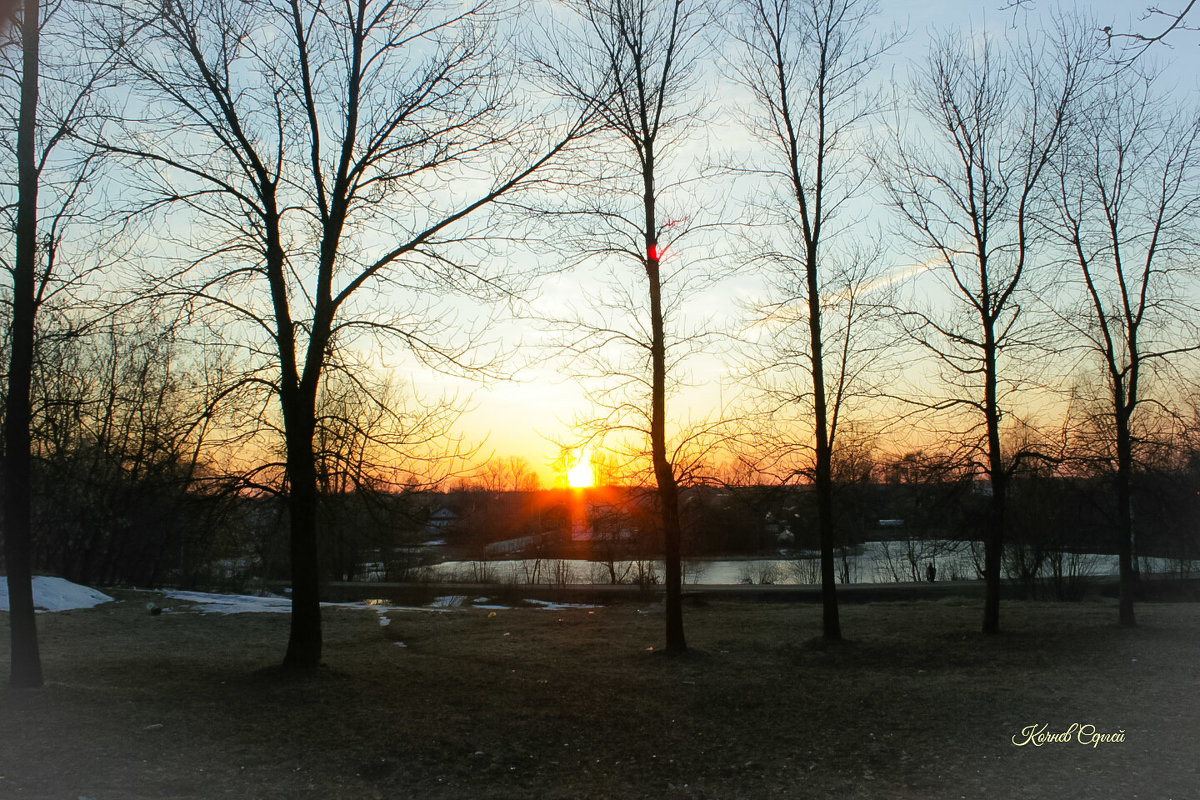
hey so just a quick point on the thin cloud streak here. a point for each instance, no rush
(784, 315)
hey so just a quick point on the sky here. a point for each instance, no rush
(531, 417)
(539, 410)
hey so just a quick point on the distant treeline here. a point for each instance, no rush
(126, 502)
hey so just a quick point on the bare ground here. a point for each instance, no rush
(561, 704)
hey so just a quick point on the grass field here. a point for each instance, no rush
(560, 704)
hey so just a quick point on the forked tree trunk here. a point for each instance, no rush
(305, 638)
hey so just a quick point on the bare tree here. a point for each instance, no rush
(806, 64)
(319, 158)
(1138, 43)
(635, 63)
(967, 193)
(124, 438)
(26, 666)
(53, 179)
(1127, 201)
(512, 474)
(1135, 43)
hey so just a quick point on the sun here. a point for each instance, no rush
(581, 475)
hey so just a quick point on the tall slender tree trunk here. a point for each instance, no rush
(26, 668)
(993, 547)
(1127, 576)
(664, 473)
(831, 626)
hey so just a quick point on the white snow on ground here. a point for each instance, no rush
(233, 603)
(56, 594)
(242, 604)
(549, 606)
(275, 604)
(486, 605)
(424, 609)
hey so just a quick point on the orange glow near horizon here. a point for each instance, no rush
(581, 476)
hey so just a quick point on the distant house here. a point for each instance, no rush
(612, 515)
(440, 521)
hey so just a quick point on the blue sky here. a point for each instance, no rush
(527, 417)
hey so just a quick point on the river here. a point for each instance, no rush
(871, 562)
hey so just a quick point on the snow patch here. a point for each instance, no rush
(56, 594)
(550, 606)
(422, 609)
(276, 604)
(233, 603)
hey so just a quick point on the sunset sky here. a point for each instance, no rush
(536, 398)
(530, 416)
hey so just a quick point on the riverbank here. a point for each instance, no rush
(578, 703)
(1158, 589)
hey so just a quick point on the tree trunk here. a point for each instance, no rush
(26, 670)
(1125, 520)
(831, 626)
(993, 547)
(664, 474)
(305, 640)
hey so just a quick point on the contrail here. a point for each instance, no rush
(895, 276)
(786, 313)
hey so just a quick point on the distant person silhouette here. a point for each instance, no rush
(930, 573)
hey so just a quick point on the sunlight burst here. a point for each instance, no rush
(581, 475)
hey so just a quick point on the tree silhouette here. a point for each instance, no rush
(968, 191)
(633, 64)
(315, 168)
(26, 668)
(1126, 205)
(806, 64)
(48, 94)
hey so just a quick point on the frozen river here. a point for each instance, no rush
(871, 562)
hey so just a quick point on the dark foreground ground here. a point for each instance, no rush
(559, 704)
